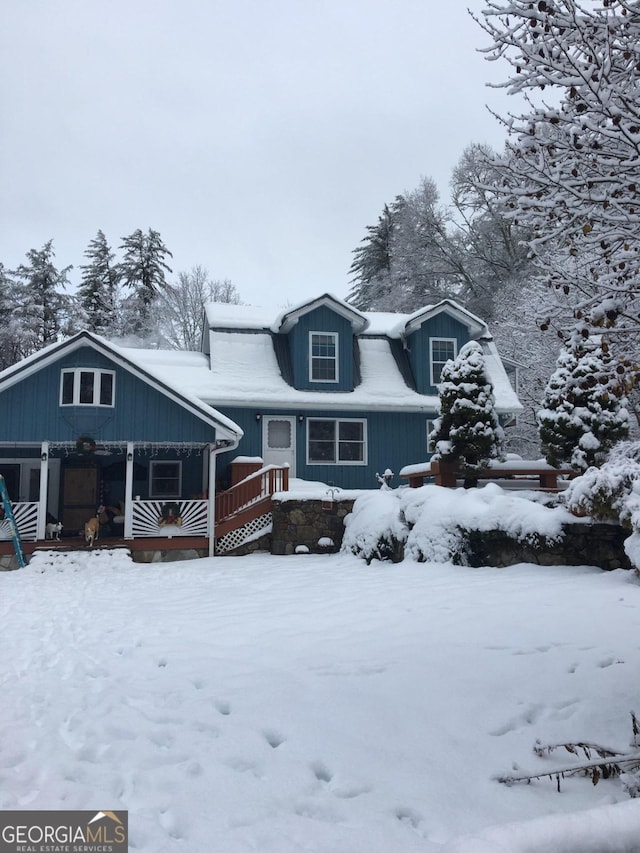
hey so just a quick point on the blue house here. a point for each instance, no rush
(335, 393)
(321, 391)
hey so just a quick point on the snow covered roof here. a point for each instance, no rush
(287, 319)
(381, 323)
(244, 367)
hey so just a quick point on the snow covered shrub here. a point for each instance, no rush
(583, 413)
(612, 492)
(467, 432)
(440, 521)
(375, 529)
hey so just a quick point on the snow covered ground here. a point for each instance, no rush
(314, 703)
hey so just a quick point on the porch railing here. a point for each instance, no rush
(150, 518)
(26, 516)
(253, 489)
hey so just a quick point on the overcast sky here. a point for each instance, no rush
(259, 137)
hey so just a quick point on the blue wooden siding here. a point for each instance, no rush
(321, 319)
(31, 409)
(440, 326)
(393, 441)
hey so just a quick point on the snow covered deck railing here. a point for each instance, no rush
(445, 474)
(254, 489)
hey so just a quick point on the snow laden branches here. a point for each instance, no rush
(571, 171)
(467, 433)
(584, 411)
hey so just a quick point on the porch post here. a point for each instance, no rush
(128, 493)
(44, 485)
(211, 521)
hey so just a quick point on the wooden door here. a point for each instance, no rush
(79, 498)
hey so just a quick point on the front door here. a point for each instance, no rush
(279, 441)
(79, 497)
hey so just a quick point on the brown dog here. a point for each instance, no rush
(91, 530)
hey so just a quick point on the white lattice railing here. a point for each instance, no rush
(26, 516)
(150, 518)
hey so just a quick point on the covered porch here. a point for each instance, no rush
(151, 496)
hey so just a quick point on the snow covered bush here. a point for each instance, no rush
(467, 432)
(432, 524)
(375, 529)
(612, 492)
(584, 408)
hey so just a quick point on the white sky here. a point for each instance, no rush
(259, 137)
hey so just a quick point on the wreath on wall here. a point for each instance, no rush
(85, 445)
(170, 514)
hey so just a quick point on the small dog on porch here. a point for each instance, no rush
(91, 530)
(52, 530)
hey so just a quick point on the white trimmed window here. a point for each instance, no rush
(431, 446)
(441, 351)
(323, 356)
(87, 387)
(165, 479)
(336, 442)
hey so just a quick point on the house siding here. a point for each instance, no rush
(321, 319)
(31, 409)
(440, 326)
(393, 440)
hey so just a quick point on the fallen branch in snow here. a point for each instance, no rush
(615, 763)
(573, 748)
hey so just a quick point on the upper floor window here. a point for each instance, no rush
(442, 350)
(323, 356)
(84, 387)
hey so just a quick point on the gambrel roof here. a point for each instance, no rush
(244, 366)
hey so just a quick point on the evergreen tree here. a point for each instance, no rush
(98, 290)
(43, 313)
(143, 269)
(9, 344)
(583, 412)
(407, 260)
(371, 265)
(467, 432)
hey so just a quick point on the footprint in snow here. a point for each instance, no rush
(273, 738)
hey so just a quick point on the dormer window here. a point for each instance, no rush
(87, 387)
(442, 350)
(323, 356)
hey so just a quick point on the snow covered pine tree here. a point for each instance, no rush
(584, 408)
(467, 433)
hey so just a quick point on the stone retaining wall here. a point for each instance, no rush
(595, 544)
(300, 526)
